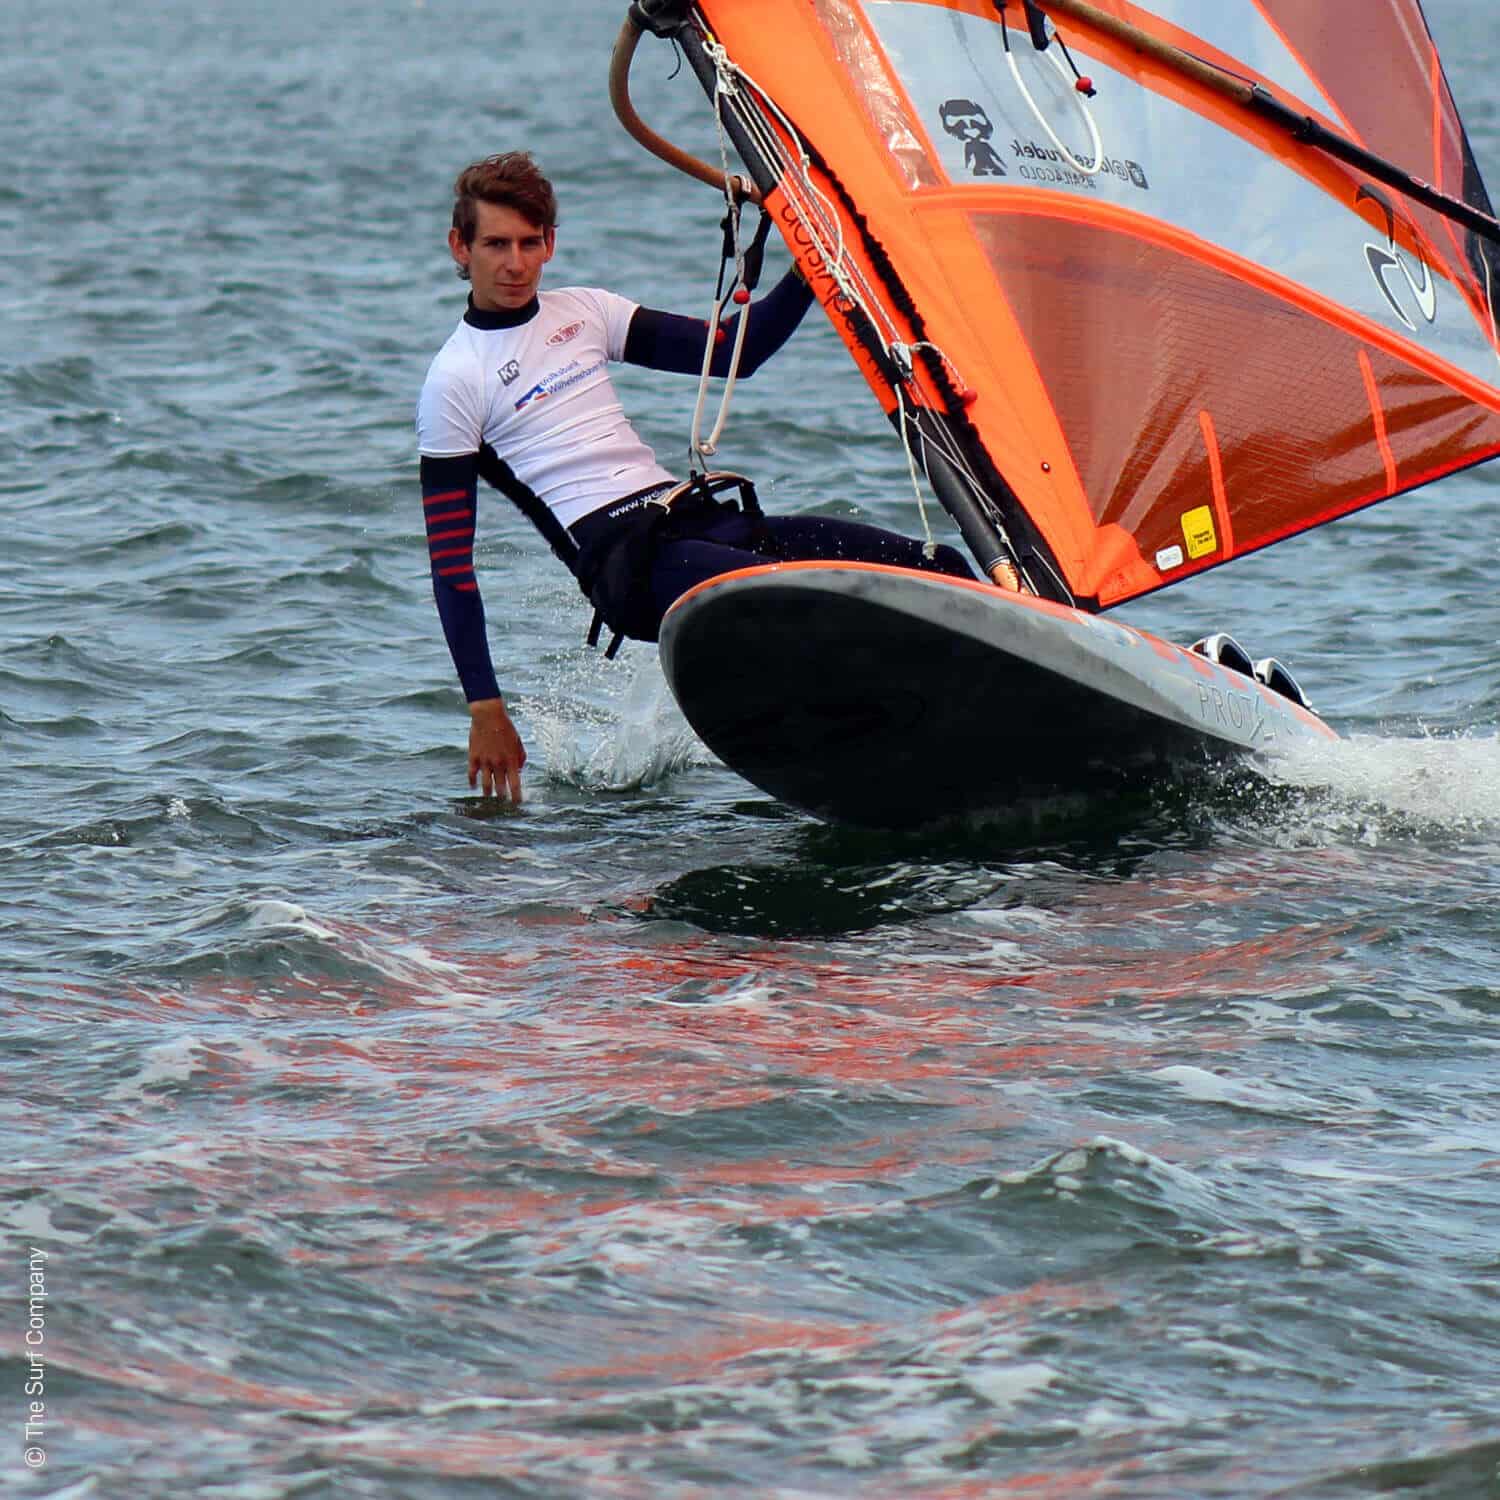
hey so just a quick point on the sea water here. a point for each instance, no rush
(653, 1140)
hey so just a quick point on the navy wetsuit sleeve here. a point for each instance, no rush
(668, 341)
(449, 501)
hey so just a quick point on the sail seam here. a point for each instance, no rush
(1377, 411)
(1216, 479)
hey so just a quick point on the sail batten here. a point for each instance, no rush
(1201, 338)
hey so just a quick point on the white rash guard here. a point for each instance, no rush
(539, 393)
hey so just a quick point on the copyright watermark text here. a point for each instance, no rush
(34, 1404)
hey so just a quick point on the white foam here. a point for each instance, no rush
(634, 737)
(849, 1451)
(1242, 1093)
(1448, 782)
(269, 912)
(435, 981)
(31, 1221)
(167, 1062)
(1006, 1386)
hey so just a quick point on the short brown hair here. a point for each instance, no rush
(510, 180)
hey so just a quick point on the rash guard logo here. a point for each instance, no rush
(566, 335)
(509, 371)
(565, 379)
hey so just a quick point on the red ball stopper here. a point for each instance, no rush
(1085, 85)
(741, 295)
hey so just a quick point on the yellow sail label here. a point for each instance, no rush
(1198, 532)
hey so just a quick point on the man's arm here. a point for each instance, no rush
(449, 503)
(668, 341)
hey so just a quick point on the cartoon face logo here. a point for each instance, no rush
(966, 121)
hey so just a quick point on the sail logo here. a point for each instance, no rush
(966, 121)
(1383, 259)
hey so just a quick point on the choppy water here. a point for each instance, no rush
(653, 1140)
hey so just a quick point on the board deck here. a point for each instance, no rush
(887, 697)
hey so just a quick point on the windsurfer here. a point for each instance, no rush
(520, 395)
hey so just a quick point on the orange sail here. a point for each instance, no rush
(1134, 325)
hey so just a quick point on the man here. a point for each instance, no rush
(521, 395)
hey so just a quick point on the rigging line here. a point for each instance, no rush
(815, 210)
(1008, 572)
(700, 447)
(811, 203)
(943, 440)
(1084, 85)
(929, 546)
(770, 142)
(1004, 569)
(960, 385)
(819, 216)
(823, 223)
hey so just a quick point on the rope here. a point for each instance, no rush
(699, 447)
(819, 215)
(929, 546)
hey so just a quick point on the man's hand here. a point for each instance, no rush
(496, 753)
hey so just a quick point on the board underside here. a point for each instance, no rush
(890, 698)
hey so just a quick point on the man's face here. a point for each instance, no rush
(506, 259)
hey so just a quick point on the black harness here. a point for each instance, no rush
(494, 470)
(618, 545)
(611, 550)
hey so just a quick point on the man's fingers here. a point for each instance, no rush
(497, 779)
(496, 756)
